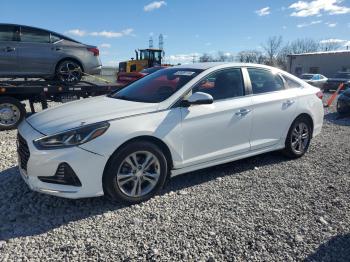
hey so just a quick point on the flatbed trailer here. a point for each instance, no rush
(13, 93)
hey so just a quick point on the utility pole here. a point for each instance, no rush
(194, 57)
(150, 42)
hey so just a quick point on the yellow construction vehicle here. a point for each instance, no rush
(145, 58)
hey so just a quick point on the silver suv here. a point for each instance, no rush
(32, 52)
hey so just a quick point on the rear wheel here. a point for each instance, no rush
(69, 72)
(135, 173)
(12, 112)
(298, 138)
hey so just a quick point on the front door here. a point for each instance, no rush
(220, 129)
(8, 50)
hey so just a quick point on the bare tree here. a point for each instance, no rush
(306, 45)
(206, 58)
(272, 47)
(223, 57)
(251, 56)
(328, 45)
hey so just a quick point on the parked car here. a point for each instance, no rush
(343, 104)
(124, 78)
(317, 80)
(33, 52)
(127, 144)
(339, 78)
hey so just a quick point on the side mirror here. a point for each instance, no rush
(198, 98)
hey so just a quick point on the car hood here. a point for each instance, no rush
(86, 111)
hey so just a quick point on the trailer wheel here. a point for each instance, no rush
(12, 112)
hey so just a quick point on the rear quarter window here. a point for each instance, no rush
(291, 83)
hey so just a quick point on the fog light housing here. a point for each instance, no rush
(63, 176)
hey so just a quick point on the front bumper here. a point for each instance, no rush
(87, 166)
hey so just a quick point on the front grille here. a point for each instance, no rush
(23, 151)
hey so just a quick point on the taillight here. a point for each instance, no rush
(95, 51)
(319, 94)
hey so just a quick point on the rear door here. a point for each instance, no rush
(36, 53)
(274, 106)
(8, 50)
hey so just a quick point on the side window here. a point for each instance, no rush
(8, 33)
(34, 35)
(264, 81)
(291, 83)
(223, 84)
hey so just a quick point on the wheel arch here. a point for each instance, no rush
(308, 117)
(161, 144)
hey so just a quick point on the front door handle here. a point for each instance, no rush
(9, 49)
(242, 112)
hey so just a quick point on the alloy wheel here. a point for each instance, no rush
(138, 174)
(69, 72)
(300, 138)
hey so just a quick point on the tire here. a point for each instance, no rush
(123, 176)
(12, 112)
(69, 72)
(295, 145)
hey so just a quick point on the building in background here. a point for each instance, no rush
(325, 63)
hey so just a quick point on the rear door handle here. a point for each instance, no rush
(57, 48)
(289, 102)
(242, 112)
(9, 49)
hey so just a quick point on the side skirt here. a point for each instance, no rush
(180, 171)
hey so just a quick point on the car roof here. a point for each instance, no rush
(208, 65)
(33, 27)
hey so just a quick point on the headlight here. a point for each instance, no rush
(72, 137)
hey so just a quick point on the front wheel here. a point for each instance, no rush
(69, 72)
(136, 173)
(298, 138)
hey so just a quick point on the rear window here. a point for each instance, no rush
(7, 33)
(33, 35)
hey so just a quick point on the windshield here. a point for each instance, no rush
(306, 77)
(157, 87)
(151, 70)
(342, 75)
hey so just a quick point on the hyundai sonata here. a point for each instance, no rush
(176, 120)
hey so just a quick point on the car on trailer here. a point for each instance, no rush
(31, 52)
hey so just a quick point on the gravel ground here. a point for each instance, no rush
(264, 208)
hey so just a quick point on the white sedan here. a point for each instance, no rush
(176, 120)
